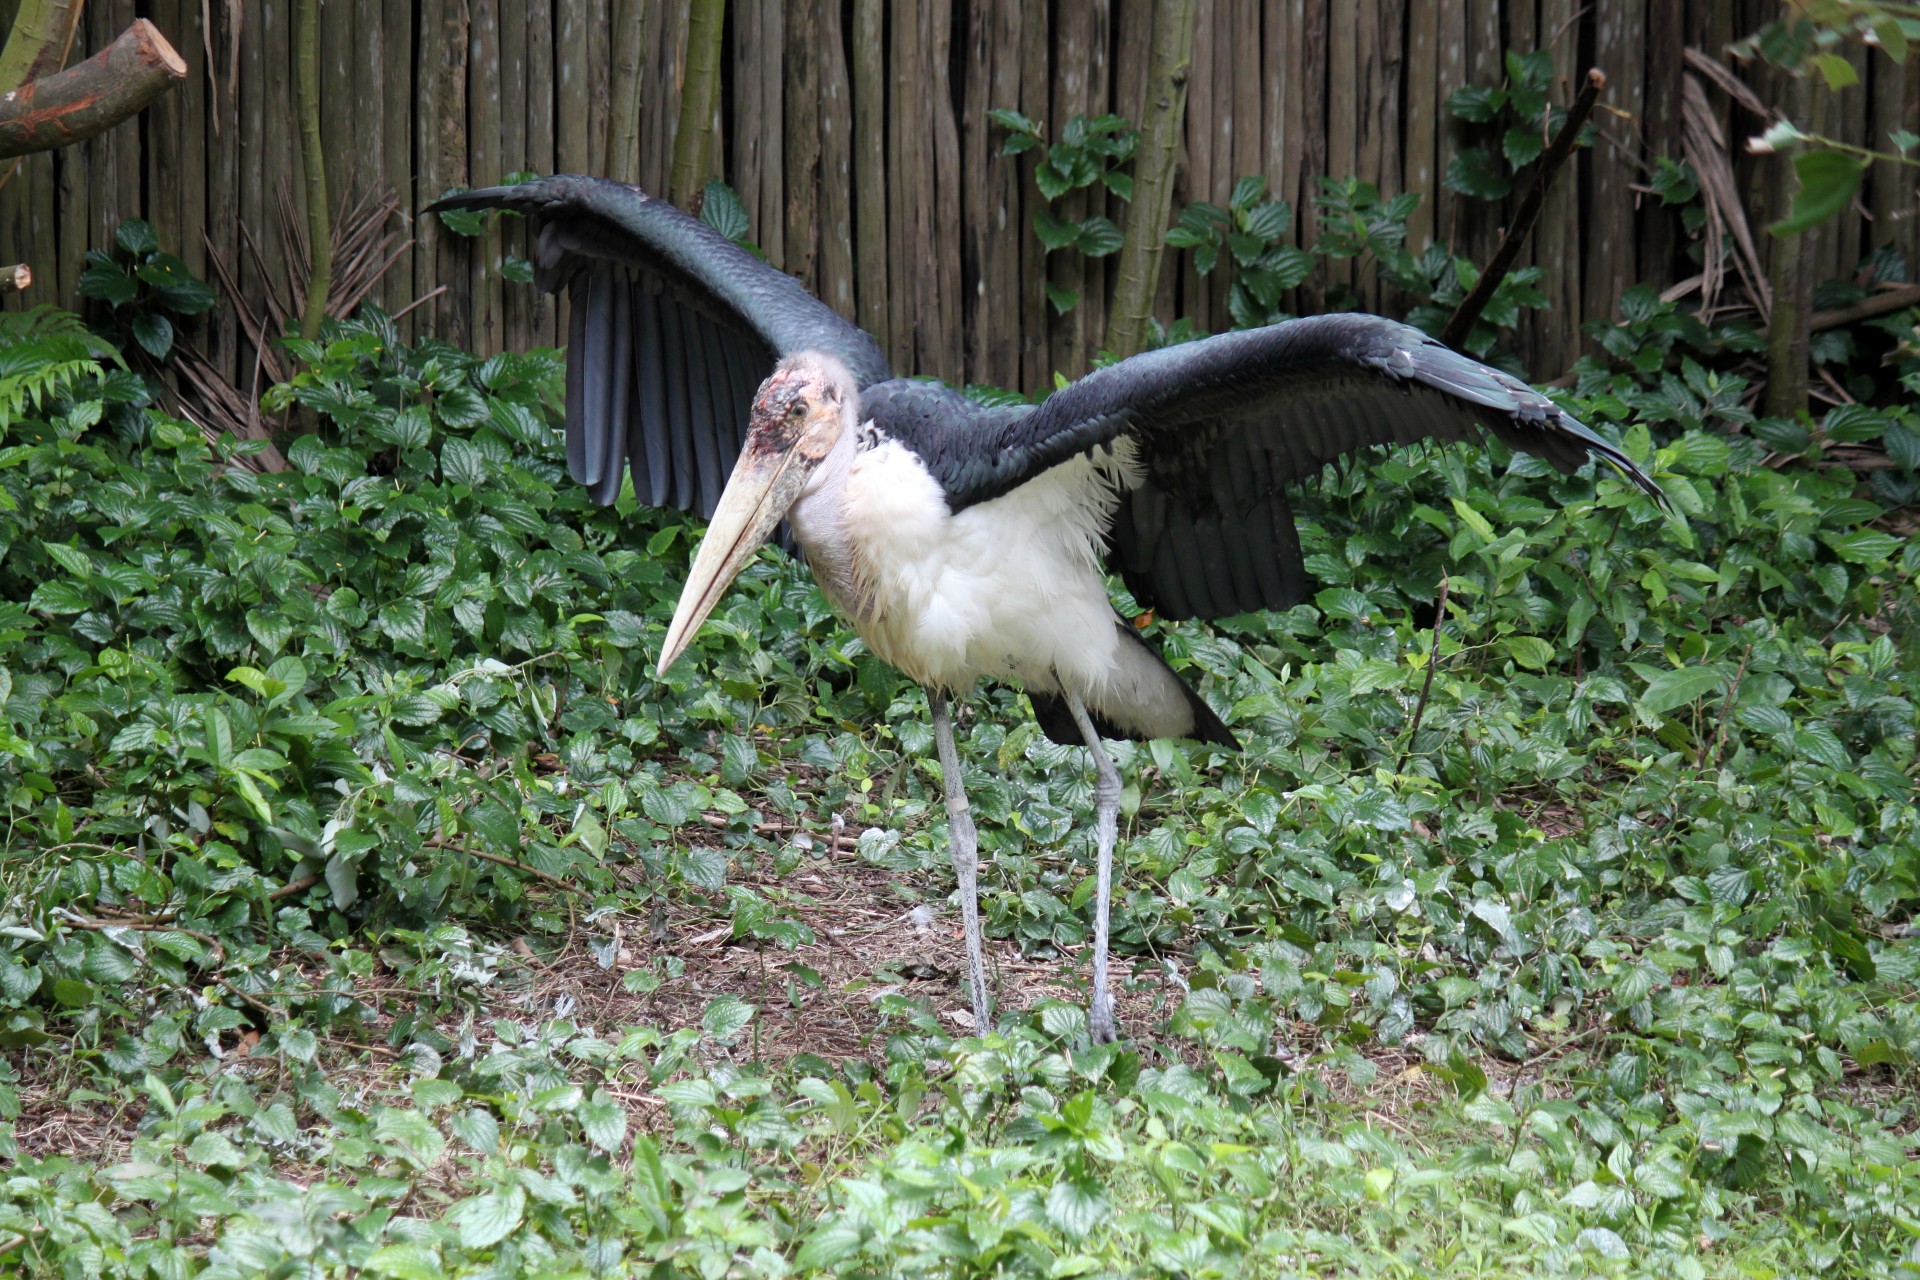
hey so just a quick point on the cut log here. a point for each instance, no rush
(16, 278)
(90, 98)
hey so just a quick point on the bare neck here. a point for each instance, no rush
(819, 525)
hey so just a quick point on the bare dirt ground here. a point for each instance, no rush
(876, 934)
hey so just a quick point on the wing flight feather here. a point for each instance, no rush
(1224, 426)
(673, 327)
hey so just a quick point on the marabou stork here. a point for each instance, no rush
(965, 542)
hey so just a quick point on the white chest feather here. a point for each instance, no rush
(1007, 588)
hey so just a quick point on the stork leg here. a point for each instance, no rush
(1106, 799)
(964, 843)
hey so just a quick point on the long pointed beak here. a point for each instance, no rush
(758, 493)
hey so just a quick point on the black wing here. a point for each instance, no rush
(1225, 425)
(673, 329)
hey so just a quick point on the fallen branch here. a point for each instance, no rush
(146, 924)
(1504, 257)
(292, 887)
(1898, 298)
(15, 279)
(420, 301)
(92, 97)
(841, 839)
(451, 846)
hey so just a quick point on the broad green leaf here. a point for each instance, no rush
(1076, 1206)
(1828, 180)
(721, 209)
(1530, 652)
(484, 1220)
(154, 333)
(604, 1123)
(135, 237)
(725, 1017)
(1680, 687)
(1838, 72)
(404, 1262)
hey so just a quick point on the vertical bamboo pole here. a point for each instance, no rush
(836, 165)
(365, 160)
(802, 141)
(1661, 128)
(975, 140)
(1068, 346)
(599, 90)
(313, 156)
(1619, 41)
(749, 119)
(572, 84)
(1343, 113)
(871, 207)
(483, 166)
(773, 106)
(164, 123)
(1004, 230)
(1169, 65)
(1890, 188)
(943, 353)
(664, 46)
(1423, 122)
(396, 144)
(1790, 275)
(624, 89)
(1558, 238)
(1196, 292)
(266, 144)
(1314, 75)
(215, 161)
(540, 140)
(1036, 362)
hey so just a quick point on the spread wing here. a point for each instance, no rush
(1224, 426)
(673, 329)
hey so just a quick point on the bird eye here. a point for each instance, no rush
(798, 409)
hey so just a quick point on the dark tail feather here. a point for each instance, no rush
(1056, 719)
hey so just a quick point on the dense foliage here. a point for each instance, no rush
(1574, 937)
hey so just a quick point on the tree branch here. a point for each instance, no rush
(90, 98)
(693, 142)
(38, 44)
(1461, 324)
(1169, 61)
(306, 88)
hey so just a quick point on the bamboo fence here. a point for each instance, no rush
(856, 133)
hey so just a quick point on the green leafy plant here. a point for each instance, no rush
(1090, 150)
(145, 288)
(44, 352)
(1253, 231)
(367, 902)
(1522, 114)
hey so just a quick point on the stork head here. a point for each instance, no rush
(798, 416)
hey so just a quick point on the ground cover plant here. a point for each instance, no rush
(371, 909)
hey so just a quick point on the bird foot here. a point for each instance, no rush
(1100, 1020)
